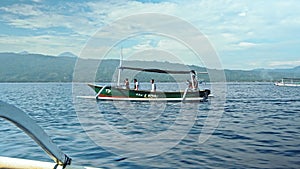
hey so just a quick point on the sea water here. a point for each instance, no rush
(259, 127)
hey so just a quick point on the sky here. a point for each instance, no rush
(244, 34)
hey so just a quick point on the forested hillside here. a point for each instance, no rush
(41, 68)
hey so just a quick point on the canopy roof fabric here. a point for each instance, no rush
(162, 71)
(290, 78)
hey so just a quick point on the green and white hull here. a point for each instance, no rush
(116, 93)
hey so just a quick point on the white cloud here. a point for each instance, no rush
(23, 10)
(33, 16)
(43, 44)
(232, 26)
(246, 44)
(284, 64)
(37, 1)
(242, 14)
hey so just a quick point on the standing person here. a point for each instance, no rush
(153, 86)
(195, 82)
(189, 83)
(126, 83)
(136, 84)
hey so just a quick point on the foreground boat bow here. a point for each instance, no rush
(24, 122)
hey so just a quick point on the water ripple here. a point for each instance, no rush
(259, 128)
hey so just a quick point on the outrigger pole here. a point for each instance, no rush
(24, 122)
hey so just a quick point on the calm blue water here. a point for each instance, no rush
(259, 128)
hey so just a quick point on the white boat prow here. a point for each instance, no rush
(17, 163)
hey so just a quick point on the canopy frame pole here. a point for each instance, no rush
(120, 65)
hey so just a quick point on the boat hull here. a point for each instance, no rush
(120, 94)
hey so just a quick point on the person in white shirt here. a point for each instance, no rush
(153, 86)
(195, 83)
(126, 82)
(136, 84)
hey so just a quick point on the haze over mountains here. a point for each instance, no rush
(26, 67)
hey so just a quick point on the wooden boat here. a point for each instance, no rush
(292, 82)
(122, 94)
(117, 93)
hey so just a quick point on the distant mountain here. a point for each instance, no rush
(297, 68)
(67, 54)
(16, 67)
(35, 68)
(24, 53)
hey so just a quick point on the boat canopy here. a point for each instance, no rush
(290, 78)
(162, 71)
